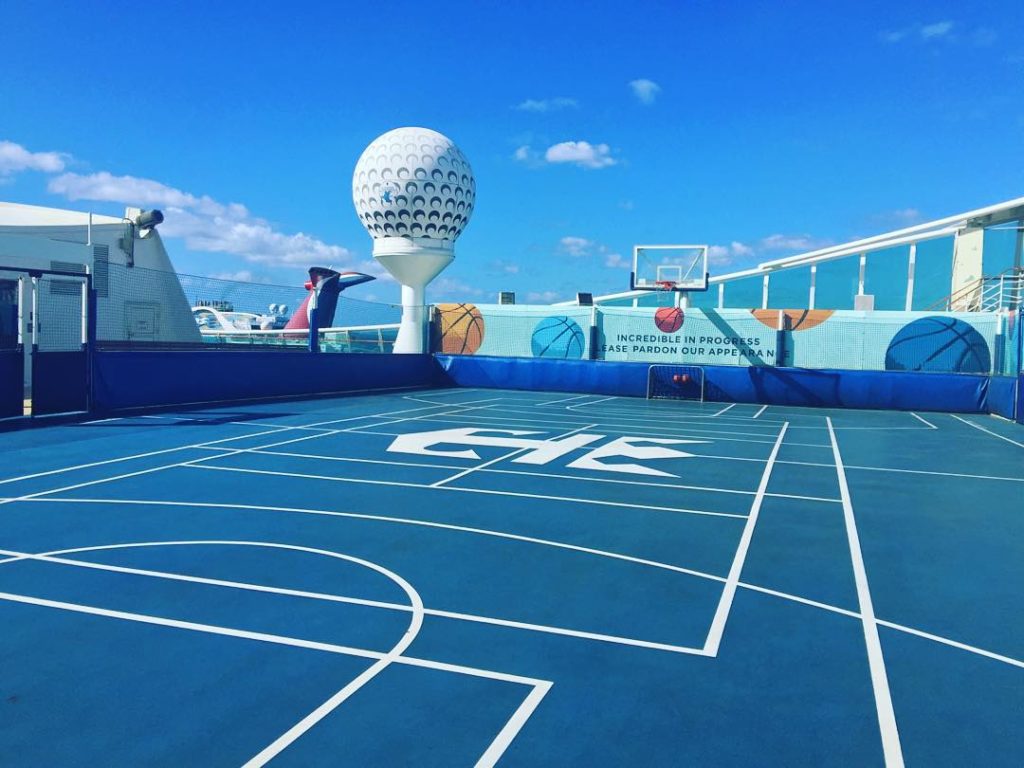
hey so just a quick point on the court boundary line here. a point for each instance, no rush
(500, 742)
(274, 430)
(987, 431)
(648, 432)
(889, 731)
(541, 542)
(450, 488)
(717, 629)
(582, 478)
(55, 558)
(382, 660)
(201, 446)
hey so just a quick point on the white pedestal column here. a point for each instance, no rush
(413, 329)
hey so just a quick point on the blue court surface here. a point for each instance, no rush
(465, 577)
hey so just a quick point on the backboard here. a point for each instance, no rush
(669, 268)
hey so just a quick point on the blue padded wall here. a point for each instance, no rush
(138, 379)
(896, 390)
(12, 383)
(1002, 394)
(1020, 400)
(60, 382)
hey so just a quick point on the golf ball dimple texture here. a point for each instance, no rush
(413, 182)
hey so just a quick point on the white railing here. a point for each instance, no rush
(986, 294)
(353, 338)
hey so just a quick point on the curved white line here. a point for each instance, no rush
(288, 737)
(389, 519)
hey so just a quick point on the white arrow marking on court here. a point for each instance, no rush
(624, 446)
(543, 450)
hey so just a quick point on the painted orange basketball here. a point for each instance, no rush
(461, 328)
(669, 319)
(796, 319)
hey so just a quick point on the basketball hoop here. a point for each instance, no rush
(664, 285)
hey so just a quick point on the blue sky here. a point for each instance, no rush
(758, 128)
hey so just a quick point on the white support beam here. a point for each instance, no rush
(910, 277)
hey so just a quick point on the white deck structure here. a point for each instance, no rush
(139, 297)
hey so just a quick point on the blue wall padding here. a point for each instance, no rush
(1020, 400)
(897, 390)
(12, 383)
(59, 382)
(130, 379)
(1002, 392)
(595, 377)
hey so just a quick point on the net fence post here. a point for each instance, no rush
(314, 323)
(780, 340)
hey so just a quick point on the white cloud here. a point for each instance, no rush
(646, 91)
(14, 158)
(542, 297)
(780, 242)
(726, 254)
(523, 153)
(900, 216)
(617, 261)
(547, 105)
(208, 225)
(581, 153)
(936, 30)
(451, 287)
(241, 276)
(509, 268)
(575, 246)
(892, 36)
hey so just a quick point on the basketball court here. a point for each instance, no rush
(467, 576)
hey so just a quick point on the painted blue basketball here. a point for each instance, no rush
(559, 337)
(938, 343)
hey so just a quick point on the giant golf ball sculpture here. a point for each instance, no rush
(414, 192)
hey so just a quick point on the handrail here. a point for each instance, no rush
(986, 294)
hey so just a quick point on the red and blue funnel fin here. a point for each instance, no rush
(328, 285)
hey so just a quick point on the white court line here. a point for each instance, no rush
(988, 431)
(929, 472)
(924, 421)
(552, 475)
(481, 532)
(513, 726)
(606, 420)
(208, 443)
(501, 458)
(890, 734)
(592, 402)
(760, 411)
(563, 400)
(390, 519)
(55, 558)
(889, 624)
(454, 489)
(714, 638)
(195, 462)
(264, 637)
(727, 408)
(953, 643)
(287, 738)
(479, 419)
(382, 661)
